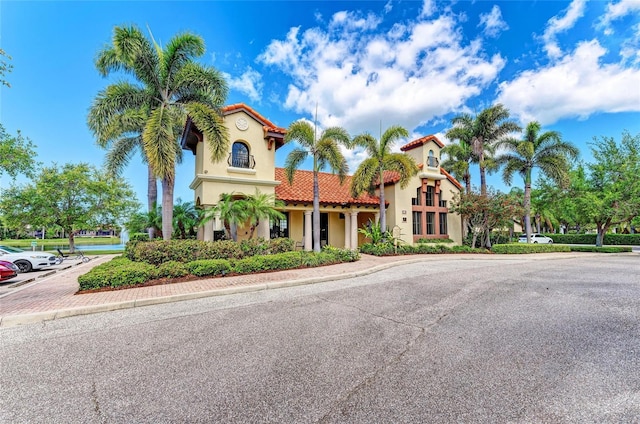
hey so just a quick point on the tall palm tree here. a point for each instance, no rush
(169, 85)
(122, 137)
(325, 152)
(482, 132)
(459, 157)
(262, 206)
(546, 151)
(371, 170)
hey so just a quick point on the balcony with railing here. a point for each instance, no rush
(241, 160)
(432, 162)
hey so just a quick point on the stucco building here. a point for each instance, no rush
(419, 211)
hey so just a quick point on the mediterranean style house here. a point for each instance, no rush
(419, 211)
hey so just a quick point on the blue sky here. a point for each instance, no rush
(573, 66)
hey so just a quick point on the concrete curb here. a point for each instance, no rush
(14, 320)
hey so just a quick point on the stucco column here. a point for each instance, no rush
(208, 231)
(217, 224)
(308, 244)
(377, 218)
(347, 231)
(263, 229)
(354, 230)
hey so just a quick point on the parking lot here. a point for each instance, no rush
(26, 278)
(452, 338)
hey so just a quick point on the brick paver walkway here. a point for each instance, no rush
(56, 293)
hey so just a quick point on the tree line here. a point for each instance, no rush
(146, 114)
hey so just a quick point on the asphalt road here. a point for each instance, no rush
(469, 339)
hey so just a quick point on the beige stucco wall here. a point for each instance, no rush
(213, 179)
(454, 222)
(400, 199)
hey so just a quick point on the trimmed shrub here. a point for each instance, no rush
(160, 251)
(139, 237)
(380, 249)
(426, 240)
(519, 248)
(604, 249)
(121, 272)
(253, 247)
(209, 267)
(609, 239)
(342, 255)
(171, 269)
(281, 245)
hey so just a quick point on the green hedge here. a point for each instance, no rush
(121, 271)
(426, 240)
(157, 252)
(387, 249)
(209, 267)
(609, 239)
(117, 273)
(604, 249)
(518, 248)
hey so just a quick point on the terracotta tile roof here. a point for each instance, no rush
(267, 125)
(331, 192)
(419, 142)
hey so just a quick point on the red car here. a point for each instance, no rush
(7, 270)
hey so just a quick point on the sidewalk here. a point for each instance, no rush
(53, 297)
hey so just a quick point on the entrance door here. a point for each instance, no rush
(324, 229)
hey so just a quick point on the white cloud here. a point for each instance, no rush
(617, 10)
(579, 85)
(249, 83)
(388, 7)
(428, 8)
(561, 24)
(417, 71)
(492, 22)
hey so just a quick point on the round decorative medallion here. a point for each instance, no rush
(242, 124)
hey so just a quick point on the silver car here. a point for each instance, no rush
(536, 238)
(25, 260)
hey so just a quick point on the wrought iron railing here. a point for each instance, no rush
(240, 160)
(432, 162)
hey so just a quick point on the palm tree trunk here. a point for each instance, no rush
(167, 207)
(152, 197)
(316, 212)
(383, 211)
(527, 206)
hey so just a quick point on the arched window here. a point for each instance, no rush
(432, 162)
(240, 155)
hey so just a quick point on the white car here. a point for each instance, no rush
(25, 260)
(535, 238)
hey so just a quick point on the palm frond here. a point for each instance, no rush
(210, 122)
(390, 136)
(328, 154)
(403, 164)
(180, 50)
(195, 81)
(368, 142)
(160, 144)
(365, 178)
(302, 132)
(121, 152)
(293, 162)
